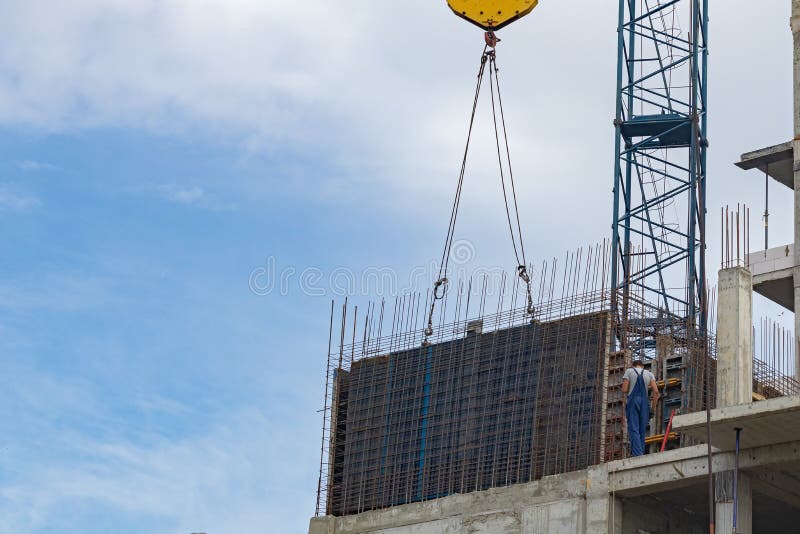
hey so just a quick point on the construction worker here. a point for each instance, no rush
(637, 404)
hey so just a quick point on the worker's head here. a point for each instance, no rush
(638, 363)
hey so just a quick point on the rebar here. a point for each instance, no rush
(735, 233)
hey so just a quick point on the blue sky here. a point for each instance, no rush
(155, 155)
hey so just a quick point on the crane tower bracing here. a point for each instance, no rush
(660, 167)
(491, 14)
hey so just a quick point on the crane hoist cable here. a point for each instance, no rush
(440, 286)
(521, 261)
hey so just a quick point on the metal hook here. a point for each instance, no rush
(491, 39)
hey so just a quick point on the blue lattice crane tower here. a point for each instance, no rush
(660, 171)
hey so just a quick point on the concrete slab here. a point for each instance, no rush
(662, 471)
(768, 422)
(765, 262)
(772, 274)
(777, 287)
(672, 470)
(779, 159)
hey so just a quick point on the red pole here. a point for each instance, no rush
(666, 434)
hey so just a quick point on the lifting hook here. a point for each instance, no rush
(491, 39)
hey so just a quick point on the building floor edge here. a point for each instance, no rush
(663, 493)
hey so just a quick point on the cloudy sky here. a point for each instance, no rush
(158, 156)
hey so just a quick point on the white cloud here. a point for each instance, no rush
(17, 202)
(191, 196)
(234, 63)
(225, 480)
(381, 94)
(30, 165)
(374, 99)
(180, 195)
(56, 292)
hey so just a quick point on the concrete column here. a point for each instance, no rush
(322, 525)
(796, 277)
(735, 337)
(795, 25)
(603, 510)
(734, 384)
(725, 504)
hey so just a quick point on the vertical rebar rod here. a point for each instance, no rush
(736, 482)
(738, 239)
(325, 412)
(766, 210)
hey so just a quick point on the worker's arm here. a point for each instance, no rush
(656, 394)
(625, 385)
(654, 388)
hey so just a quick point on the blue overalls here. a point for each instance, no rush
(637, 410)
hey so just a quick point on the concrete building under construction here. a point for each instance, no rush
(509, 417)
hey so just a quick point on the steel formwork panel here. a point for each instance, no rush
(486, 410)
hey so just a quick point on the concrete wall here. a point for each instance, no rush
(564, 504)
(558, 517)
(575, 503)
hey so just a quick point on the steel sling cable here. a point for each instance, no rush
(522, 270)
(439, 286)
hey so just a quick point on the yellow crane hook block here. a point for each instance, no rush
(491, 14)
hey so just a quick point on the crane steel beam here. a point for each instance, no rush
(660, 161)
